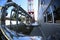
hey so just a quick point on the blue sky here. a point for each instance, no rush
(2, 2)
(28, 38)
(23, 4)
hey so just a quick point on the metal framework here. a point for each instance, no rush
(18, 10)
(31, 10)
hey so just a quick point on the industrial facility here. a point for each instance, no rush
(17, 23)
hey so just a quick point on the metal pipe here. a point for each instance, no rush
(10, 18)
(17, 18)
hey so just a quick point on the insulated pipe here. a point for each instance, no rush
(4, 9)
(23, 11)
(3, 27)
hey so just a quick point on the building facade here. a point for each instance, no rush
(48, 11)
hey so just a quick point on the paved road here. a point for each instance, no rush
(48, 29)
(51, 28)
(0, 22)
(36, 32)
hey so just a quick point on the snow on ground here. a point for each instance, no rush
(23, 38)
(8, 22)
(35, 23)
(28, 38)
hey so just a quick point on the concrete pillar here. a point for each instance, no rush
(52, 14)
(46, 18)
(40, 13)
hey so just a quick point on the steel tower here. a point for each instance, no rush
(31, 10)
